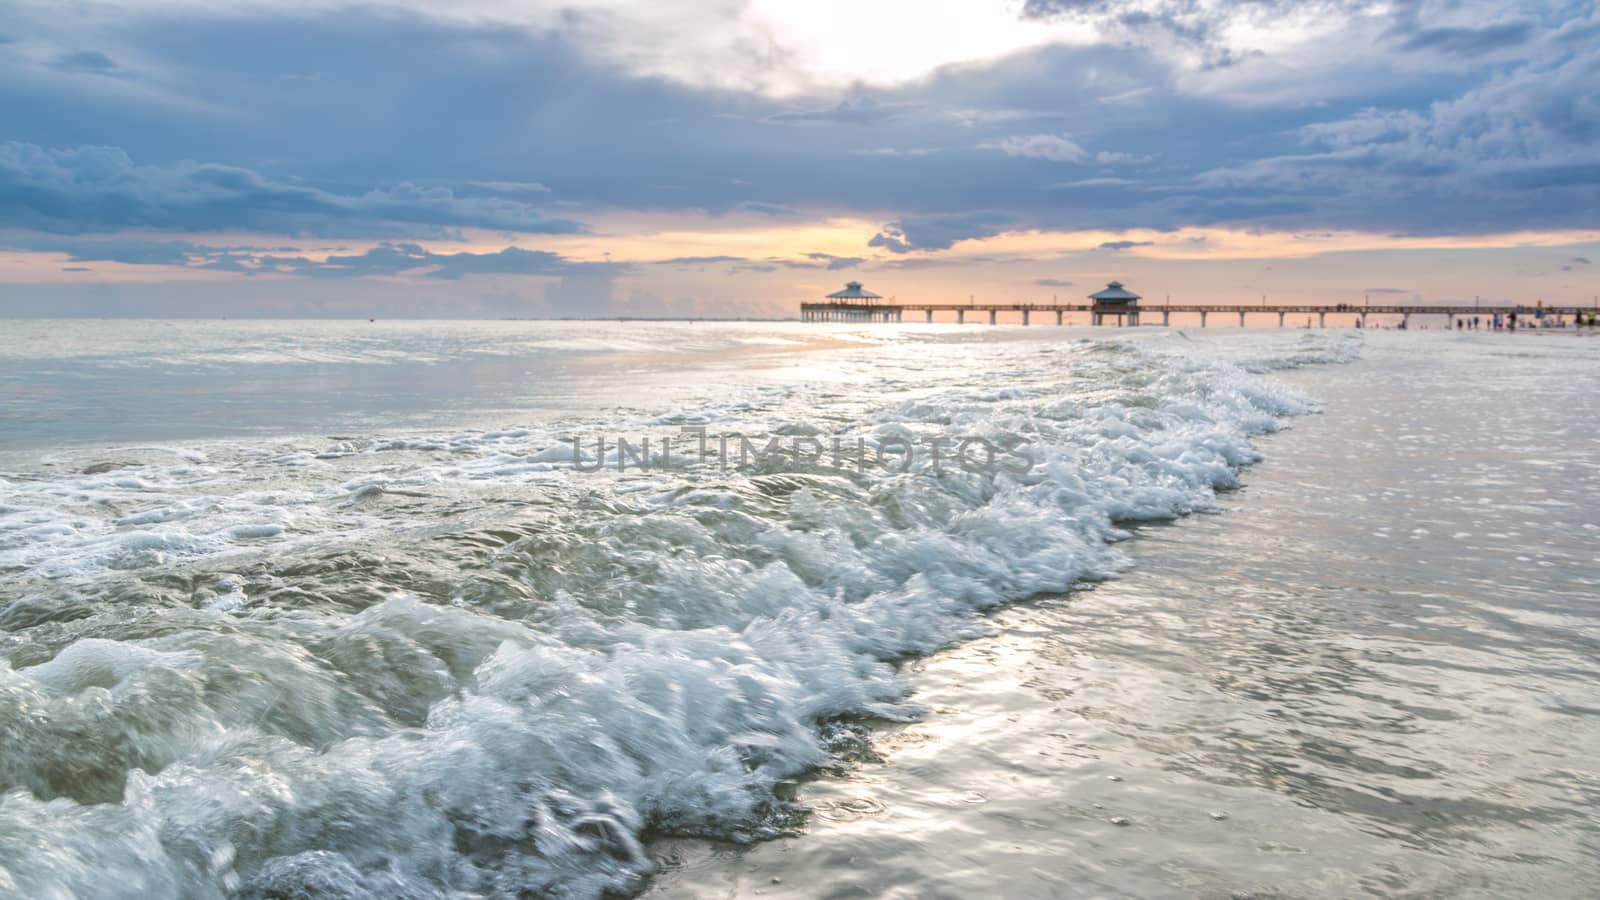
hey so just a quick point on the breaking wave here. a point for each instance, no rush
(449, 664)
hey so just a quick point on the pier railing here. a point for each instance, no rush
(1131, 313)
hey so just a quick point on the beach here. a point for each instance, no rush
(326, 609)
(1371, 673)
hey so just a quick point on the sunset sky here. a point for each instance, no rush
(622, 157)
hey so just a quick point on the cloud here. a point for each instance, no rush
(511, 187)
(409, 134)
(812, 57)
(1052, 282)
(769, 209)
(1230, 31)
(510, 261)
(914, 263)
(1130, 13)
(76, 269)
(1094, 182)
(1107, 158)
(1273, 53)
(574, 125)
(1581, 260)
(1385, 290)
(854, 111)
(1522, 148)
(87, 62)
(1124, 245)
(895, 151)
(1221, 32)
(250, 260)
(128, 250)
(699, 260)
(891, 238)
(383, 260)
(395, 259)
(570, 127)
(738, 264)
(1053, 147)
(939, 232)
(1458, 40)
(90, 188)
(836, 263)
(583, 294)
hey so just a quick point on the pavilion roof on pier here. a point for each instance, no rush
(1114, 293)
(854, 291)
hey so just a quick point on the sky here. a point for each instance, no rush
(497, 158)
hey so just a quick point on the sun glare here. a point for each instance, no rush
(897, 40)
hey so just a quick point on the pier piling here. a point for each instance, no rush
(871, 309)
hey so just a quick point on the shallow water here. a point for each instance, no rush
(372, 634)
(1375, 672)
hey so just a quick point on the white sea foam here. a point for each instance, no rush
(663, 650)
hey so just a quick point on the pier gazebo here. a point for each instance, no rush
(1117, 301)
(853, 304)
(857, 304)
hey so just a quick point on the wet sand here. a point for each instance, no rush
(1375, 672)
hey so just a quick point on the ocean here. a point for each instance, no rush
(325, 609)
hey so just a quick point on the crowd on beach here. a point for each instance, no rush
(1538, 319)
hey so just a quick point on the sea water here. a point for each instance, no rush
(1375, 673)
(325, 609)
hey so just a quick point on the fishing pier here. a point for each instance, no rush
(856, 304)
